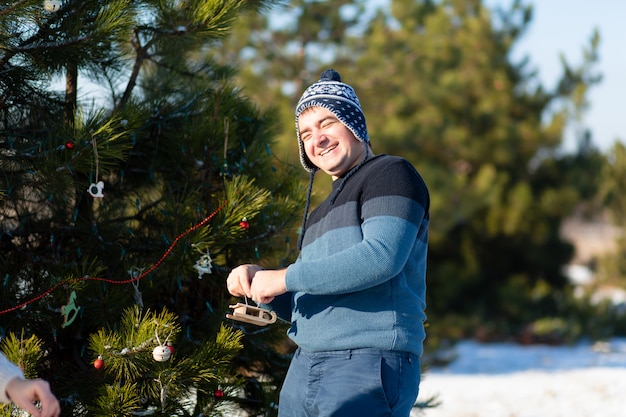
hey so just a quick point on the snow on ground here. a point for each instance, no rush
(508, 380)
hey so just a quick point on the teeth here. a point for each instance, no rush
(327, 150)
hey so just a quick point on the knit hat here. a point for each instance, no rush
(330, 93)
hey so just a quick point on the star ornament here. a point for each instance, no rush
(204, 265)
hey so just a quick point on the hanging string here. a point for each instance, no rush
(225, 168)
(95, 154)
(226, 128)
(112, 281)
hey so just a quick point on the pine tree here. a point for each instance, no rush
(283, 51)
(482, 129)
(127, 194)
(612, 266)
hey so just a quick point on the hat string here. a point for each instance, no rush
(306, 208)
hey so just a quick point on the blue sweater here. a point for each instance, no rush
(360, 279)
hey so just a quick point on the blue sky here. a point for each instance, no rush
(565, 27)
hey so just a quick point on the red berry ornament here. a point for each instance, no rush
(98, 363)
(219, 394)
(244, 224)
(70, 145)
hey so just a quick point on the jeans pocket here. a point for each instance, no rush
(400, 376)
(353, 387)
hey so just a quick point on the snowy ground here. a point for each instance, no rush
(507, 380)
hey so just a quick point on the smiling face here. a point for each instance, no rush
(328, 143)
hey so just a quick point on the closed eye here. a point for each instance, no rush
(326, 123)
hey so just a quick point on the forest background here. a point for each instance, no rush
(123, 207)
(453, 99)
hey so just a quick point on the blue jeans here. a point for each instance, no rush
(346, 383)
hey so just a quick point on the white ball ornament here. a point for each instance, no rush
(161, 353)
(52, 5)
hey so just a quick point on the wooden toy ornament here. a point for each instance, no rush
(250, 314)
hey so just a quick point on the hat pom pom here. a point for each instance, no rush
(330, 75)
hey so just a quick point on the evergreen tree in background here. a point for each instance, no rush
(612, 267)
(134, 175)
(283, 51)
(482, 130)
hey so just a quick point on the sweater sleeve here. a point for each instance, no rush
(8, 371)
(392, 220)
(379, 257)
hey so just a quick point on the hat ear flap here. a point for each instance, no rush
(304, 159)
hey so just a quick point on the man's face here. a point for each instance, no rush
(328, 143)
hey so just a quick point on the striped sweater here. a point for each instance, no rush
(360, 279)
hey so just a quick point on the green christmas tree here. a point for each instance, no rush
(135, 175)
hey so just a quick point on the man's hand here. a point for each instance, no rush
(267, 284)
(24, 393)
(240, 278)
(254, 282)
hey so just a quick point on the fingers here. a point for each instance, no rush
(256, 283)
(31, 408)
(268, 284)
(25, 392)
(50, 406)
(239, 280)
(259, 291)
(50, 409)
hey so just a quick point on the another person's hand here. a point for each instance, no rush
(25, 392)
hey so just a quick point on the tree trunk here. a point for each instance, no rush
(71, 87)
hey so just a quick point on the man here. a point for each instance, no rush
(24, 392)
(355, 297)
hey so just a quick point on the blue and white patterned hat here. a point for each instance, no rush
(330, 93)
